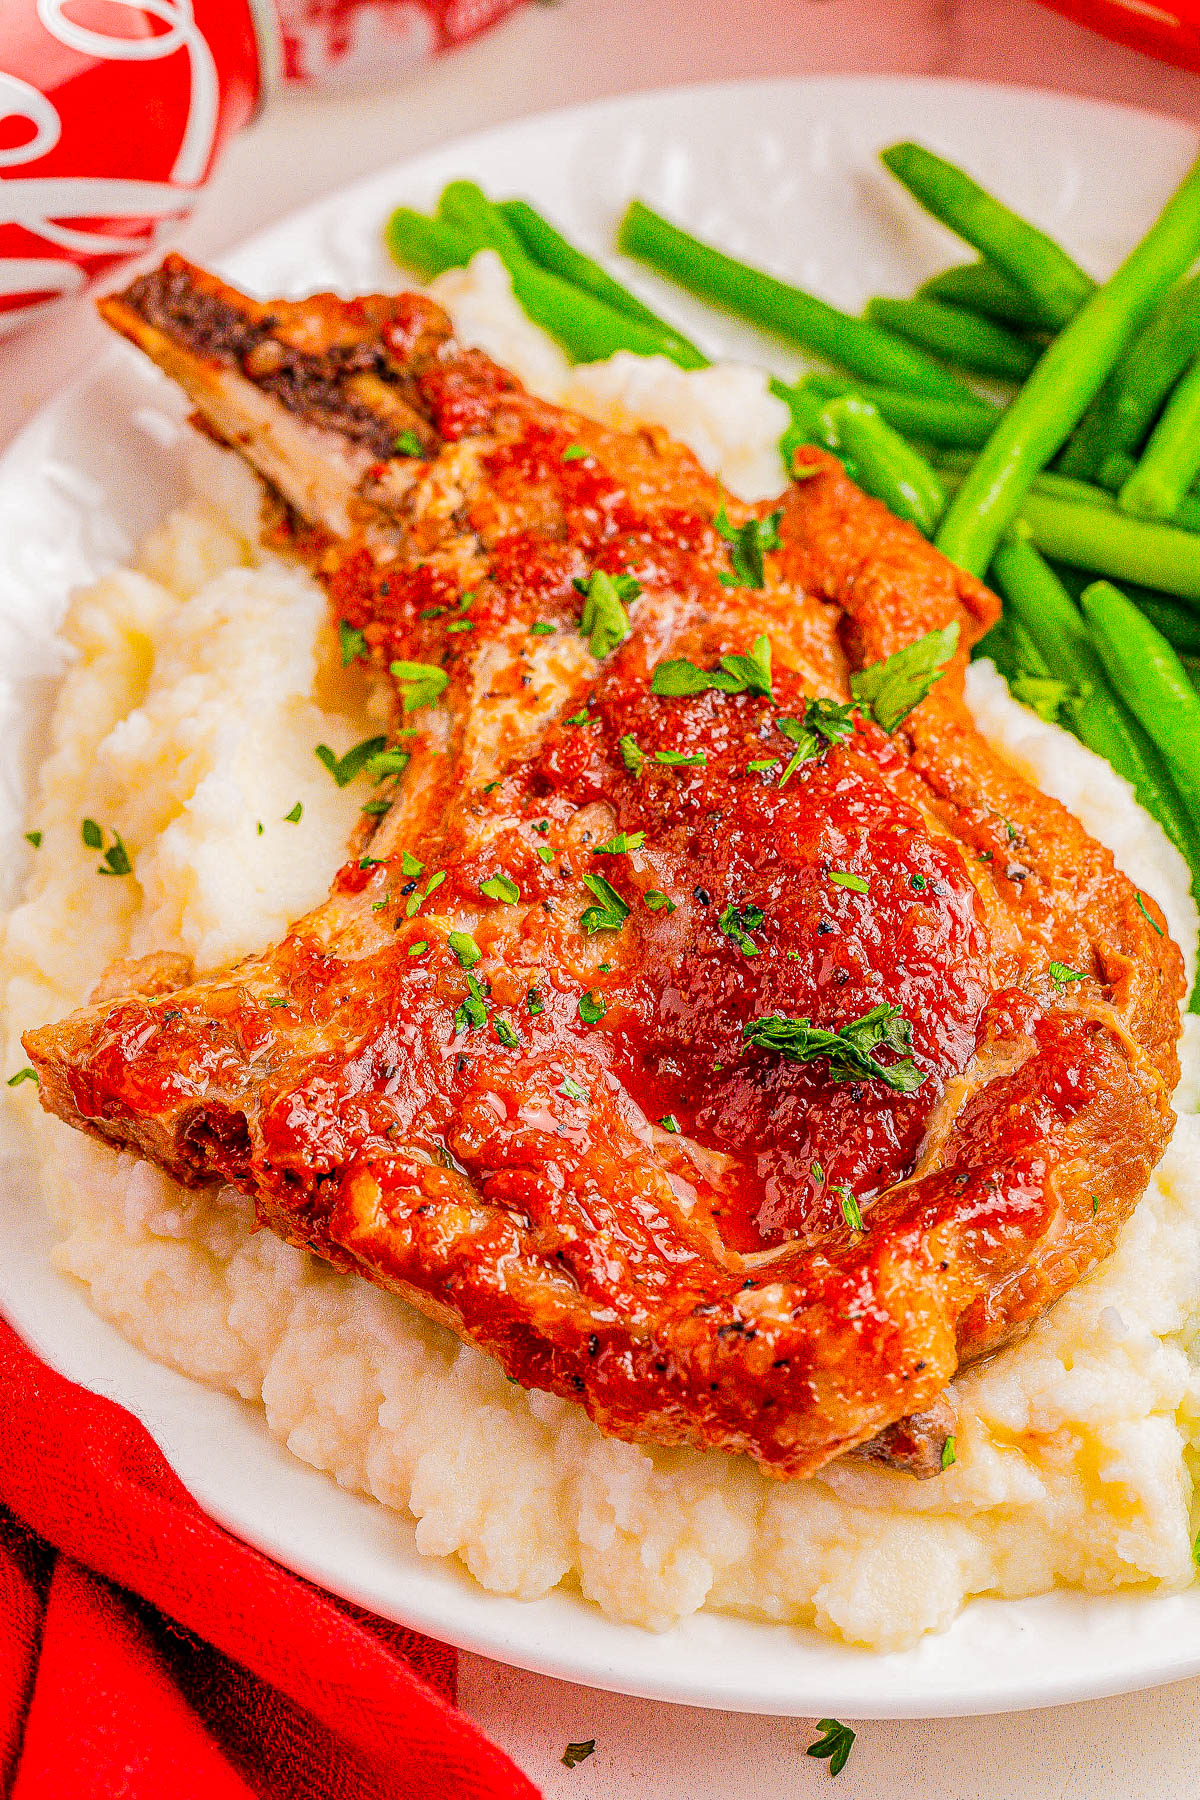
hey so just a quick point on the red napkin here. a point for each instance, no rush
(146, 1653)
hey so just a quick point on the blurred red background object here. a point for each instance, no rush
(352, 42)
(1170, 32)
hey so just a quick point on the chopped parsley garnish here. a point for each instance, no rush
(370, 862)
(21, 1075)
(294, 817)
(422, 683)
(679, 759)
(949, 1453)
(604, 621)
(631, 753)
(409, 444)
(461, 625)
(116, 857)
(1095, 1205)
(763, 764)
(500, 887)
(354, 643)
(818, 1174)
(657, 901)
(621, 844)
(1149, 917)
(574, 452)
(542, 628)
(544, 853)
(736, 922)
(831, 720)
(918, 883)
(345, 768)
(848, 1050)
(611, 911)
(375, 809)
(419, 948)
(746, 545)
(410, 864)
(669, 1123)
(836, 1744)
(573, 1090)
(415, 901)
(390, 762)
(534, 1003)
(472, 1012)
(577, 1753)
(845, 878)
(465, 948)
(1042, 694)
(431, 612)
(582, 717)
(276, 1000)
(506, 1033)
(734, 675)
(592, 1007)
(259, 828)
(889, 690)
(851, 1211)
(1060, 973)
(34, 838)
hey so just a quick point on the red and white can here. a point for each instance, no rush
(113, 113)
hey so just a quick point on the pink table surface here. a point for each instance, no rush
(552, 55)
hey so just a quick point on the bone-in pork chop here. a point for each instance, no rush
(688, 1038)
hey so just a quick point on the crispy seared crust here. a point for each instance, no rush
(700, 1285)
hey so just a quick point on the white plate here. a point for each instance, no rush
(785, 172)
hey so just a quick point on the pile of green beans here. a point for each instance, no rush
(1087, 474)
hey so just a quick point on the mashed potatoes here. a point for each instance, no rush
(200, 684)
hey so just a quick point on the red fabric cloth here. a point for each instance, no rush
(146, 1653)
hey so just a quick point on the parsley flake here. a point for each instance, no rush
(534, 1003)
(574, 453)
(1061, 974)
(410, 864)
(836, 1744)
(91, 834)
(116, 857)
(918, 883)
(389, 762)
(419, 948)
(465, 948)
(461, 625)
(573, 1090)
(736, 922)
(632, 755)
(657, 901)
(542, 628)
(577, 1753)
(422, 683)
(949, 1453)
(592, 1007)
(376, 809)
(734, 675)
(846, 879)
(678, 759)
(889, 690)
(506, 1033)
(294, 817)
(345, 768)
(353, 643)
(611, 912)
(415, 901)
(848, 1050)
(21, 1075)
(544, 853)
(746, 545)
(580, 718)
(500, 887)
(763, 764)
(1095, 1205)
(604, 621)
(34, 838)
(472, 1012)
(1149, 917)
(409, 444)
(851, 1211)
(621, 844)
(275, 1001)
(669, 1123)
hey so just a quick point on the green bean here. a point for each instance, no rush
(789, 311)
(547, 246)
(1065, 380)
(1046, 611)
(981, 288)
(967, 423)
(882, 462)
(588, 330)
(427, 245)
(1110, 543)
(1156, 488)
(1064, 487)
(1179, 624)
(957, 335)
(465, 206)
(1018, 249)
(1118, 419)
